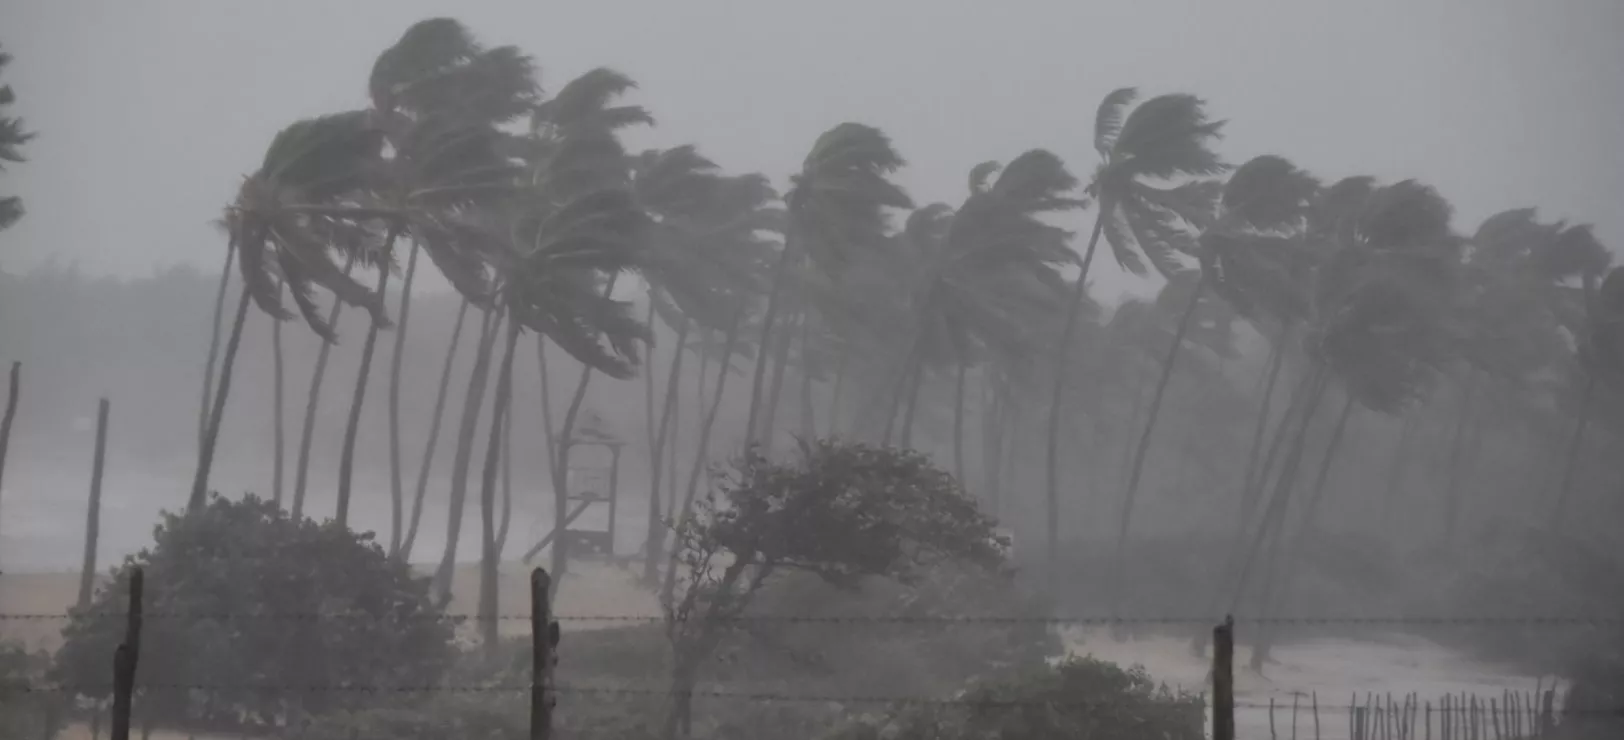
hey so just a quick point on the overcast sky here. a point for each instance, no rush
(150, 111)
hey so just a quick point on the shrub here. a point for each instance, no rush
(233, 592)
(1075, 698)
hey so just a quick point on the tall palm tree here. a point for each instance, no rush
(1165, 138)
(836, 213)
(1264, 202)
(552, 287)
(288, 217)
(1380, 324)
(702, 249)
(12, 138)
(439, 72)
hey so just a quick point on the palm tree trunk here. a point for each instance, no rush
(1277, 359)
(1457, 448)
(1575, 443)
(396, 500)
(352, 427)
(900, 386)
(775, 392)
(279, 410)
(914, 381)
(301, 472)
(405, 551)
(654, 541)
(728, 345)
(214, 343)
(471, 407)
(205, 458)
(809, 425)
(507, 480)
(546, 405)
(958, 422)
(12, 389)
(487, 498)
(768, 319)
(1283, 563)
(1141, 451)
(842, 370)
(1062, 354)
(561, 464)
(1274, 515)
(87, 573)
(992, 445)
(1395, 470)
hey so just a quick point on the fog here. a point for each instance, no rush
(1053, 334)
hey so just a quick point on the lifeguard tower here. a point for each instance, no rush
(592, 485)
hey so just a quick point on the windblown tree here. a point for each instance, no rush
(703, 249)
(1380, 327)
(440, 95)
(1262, 206)
(1164, 139)
(837, 217)
(985, 285)
(302, 206)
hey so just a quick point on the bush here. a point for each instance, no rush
(1076, 698)
(25, 714)
(231, 591)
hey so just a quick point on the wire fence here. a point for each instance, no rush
(1510, 621)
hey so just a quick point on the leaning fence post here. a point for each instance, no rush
(543, 646)
(124, 661)
(1223, 680)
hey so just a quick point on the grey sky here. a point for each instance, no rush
(149, 111)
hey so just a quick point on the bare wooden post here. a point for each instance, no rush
(1223, 680)
(125, 659)
(1314, 697)
(87, 573)
(543, 657)
(1427, 720)
(1294, 697)
(1272, 734)
(11, 413)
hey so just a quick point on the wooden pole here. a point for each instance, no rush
(125, 659)
(614, 496)
(87, 573)
(1294, 697)
(11, 413)
(1314, 697)
(1223, 680)
(543, 645)
(1272, 734)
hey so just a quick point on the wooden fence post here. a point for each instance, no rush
(87, 573)
(1223, 680)
(125, 659)
(11, 413)
(543, 656)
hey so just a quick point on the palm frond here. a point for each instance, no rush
(1108, 119)
(1269, 194)
(980, 174)
(1169, 136)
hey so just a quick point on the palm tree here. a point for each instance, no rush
(12, 138)
(702, 249)
(1380, 324)
(404, 551)
(836, 209)
(1266, 200)
(1164, 138)
(552, 287)
(437, 72)
(992, 274)
(288, 217)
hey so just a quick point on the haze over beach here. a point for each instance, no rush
(895, 368)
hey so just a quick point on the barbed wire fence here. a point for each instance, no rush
(1511, 715)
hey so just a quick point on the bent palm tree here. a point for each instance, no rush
(1164, 138)
(288, 217)
(836, 215)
